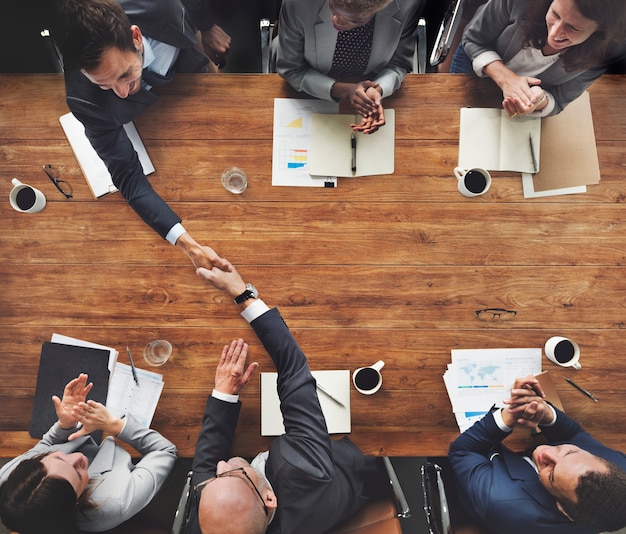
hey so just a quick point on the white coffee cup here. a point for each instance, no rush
(368, 380)
(234, 180)
(563, 352)
(25, 198)
(472, 182)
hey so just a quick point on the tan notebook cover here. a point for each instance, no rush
(552, 395)
(569, 156)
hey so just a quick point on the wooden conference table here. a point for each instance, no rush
(383, 267)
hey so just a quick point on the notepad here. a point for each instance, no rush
(95, 171)
(331, 146)
(124, 396)
(490, 140)
(336, 382)
(58, 364)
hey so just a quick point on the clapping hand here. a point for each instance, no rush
(95, 416)
(74, 392)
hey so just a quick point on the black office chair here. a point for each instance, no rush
(53, 51)
(444, 512)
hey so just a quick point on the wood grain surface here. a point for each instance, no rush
(383, 267)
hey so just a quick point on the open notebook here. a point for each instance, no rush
(331, 146)
(95, 171)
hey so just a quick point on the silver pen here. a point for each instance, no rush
(328, 394)
(132, 366)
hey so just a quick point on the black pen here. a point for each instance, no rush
(132, 366)
(584, 391)
(353, 145)
(532, 154)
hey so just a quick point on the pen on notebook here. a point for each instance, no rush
(353, 146)
(132, 366)
(583, 391)
(532, 154)
(328, 394)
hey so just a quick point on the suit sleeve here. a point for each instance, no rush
(304, 421)
(201, 12)
(127, 488)
(469, 457)
(392, 76)
(290, 62)
(216, 437)
(109, 140)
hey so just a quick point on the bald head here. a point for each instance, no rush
(230, 504)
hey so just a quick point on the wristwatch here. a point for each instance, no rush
(249, 293)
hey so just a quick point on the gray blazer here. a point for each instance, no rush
(307, 38)
(119, 488)
(495, 27)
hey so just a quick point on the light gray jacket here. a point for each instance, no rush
(307, 39)
(118, 488)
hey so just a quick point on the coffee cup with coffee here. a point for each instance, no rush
(472, 182)
(563, 352)
(25, 198)
(367, 380)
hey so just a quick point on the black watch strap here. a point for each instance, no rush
(249, 293)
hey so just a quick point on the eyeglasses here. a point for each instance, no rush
(63, 186)
(495, 313)
(233, 473)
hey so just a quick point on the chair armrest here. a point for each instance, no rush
(402, 505)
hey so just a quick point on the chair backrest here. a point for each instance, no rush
(435, 501)
(53, 50)
(447, 31)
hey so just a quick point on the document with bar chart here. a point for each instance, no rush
(292, 137)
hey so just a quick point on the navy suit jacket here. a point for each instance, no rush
(103, 113)
(504, 490)
(319, 482)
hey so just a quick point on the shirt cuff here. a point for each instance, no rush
(497, 416)
(554, 415)
(482, 60)
(226, 397)
(255, 310)
(175, 232)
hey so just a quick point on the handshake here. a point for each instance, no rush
(526, 405)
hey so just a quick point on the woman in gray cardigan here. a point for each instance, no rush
(542, 53)
(68, 482)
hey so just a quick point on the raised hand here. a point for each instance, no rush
(74, 392)
(232, 374)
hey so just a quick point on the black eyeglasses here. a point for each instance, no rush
(495, 313)
(233, 473)
(61, 185)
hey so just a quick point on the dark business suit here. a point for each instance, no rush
(504, 490)
(103, 113)
(319, 482)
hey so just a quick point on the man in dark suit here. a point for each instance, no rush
(114, 54)
(575, 484)
(306, 483)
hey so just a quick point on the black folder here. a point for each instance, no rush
(58, 365)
